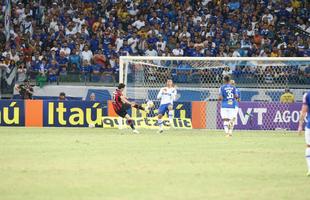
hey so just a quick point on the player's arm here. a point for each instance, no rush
(160, 93)
(236, 94)
(303, 113)
(237, 98)
(174, 95)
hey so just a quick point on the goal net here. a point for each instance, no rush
(261, 81)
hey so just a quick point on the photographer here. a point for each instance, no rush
(25, 90)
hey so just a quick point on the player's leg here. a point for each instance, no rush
(123, 113)
(226, 126)
(130, 122)
(233, 118)
(161, 112)
(225, 118)
(307, 138)
(236, 116)
(170, 114)
(160, 123)
(139, 107)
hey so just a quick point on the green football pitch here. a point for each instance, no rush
(83, 163)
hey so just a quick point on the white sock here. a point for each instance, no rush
(225, 123)
(308, 157)
(170, 115)
(160, 123)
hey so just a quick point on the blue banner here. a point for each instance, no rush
(12, 113)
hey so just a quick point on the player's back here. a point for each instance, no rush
(117, 102)
(228, 93)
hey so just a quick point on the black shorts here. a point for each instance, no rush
(122, 112)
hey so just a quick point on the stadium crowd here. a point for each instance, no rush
(51, 39)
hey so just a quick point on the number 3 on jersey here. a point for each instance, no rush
(230, 94)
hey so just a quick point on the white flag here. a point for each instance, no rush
(7, 19)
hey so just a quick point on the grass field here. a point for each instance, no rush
(65, 164)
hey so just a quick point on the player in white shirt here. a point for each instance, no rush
(167, 96)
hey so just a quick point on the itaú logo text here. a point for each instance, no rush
(58, 114)
(10, 115)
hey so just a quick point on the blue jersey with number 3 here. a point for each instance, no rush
(228, 92)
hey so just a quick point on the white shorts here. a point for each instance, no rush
(307, 136)
(228, 113)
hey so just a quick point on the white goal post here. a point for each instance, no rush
(262, 81)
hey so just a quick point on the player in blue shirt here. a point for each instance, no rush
(305, 112)
(228, 97)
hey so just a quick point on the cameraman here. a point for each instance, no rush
(25, 90)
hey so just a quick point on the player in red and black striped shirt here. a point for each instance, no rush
(121, 104)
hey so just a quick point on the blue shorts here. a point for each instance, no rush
(163, 108)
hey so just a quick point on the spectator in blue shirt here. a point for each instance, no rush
(36, 62)
(63, 63)
(53, 70)
(125, 50)
(94, 43)
(86, 67)
(74, 60)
